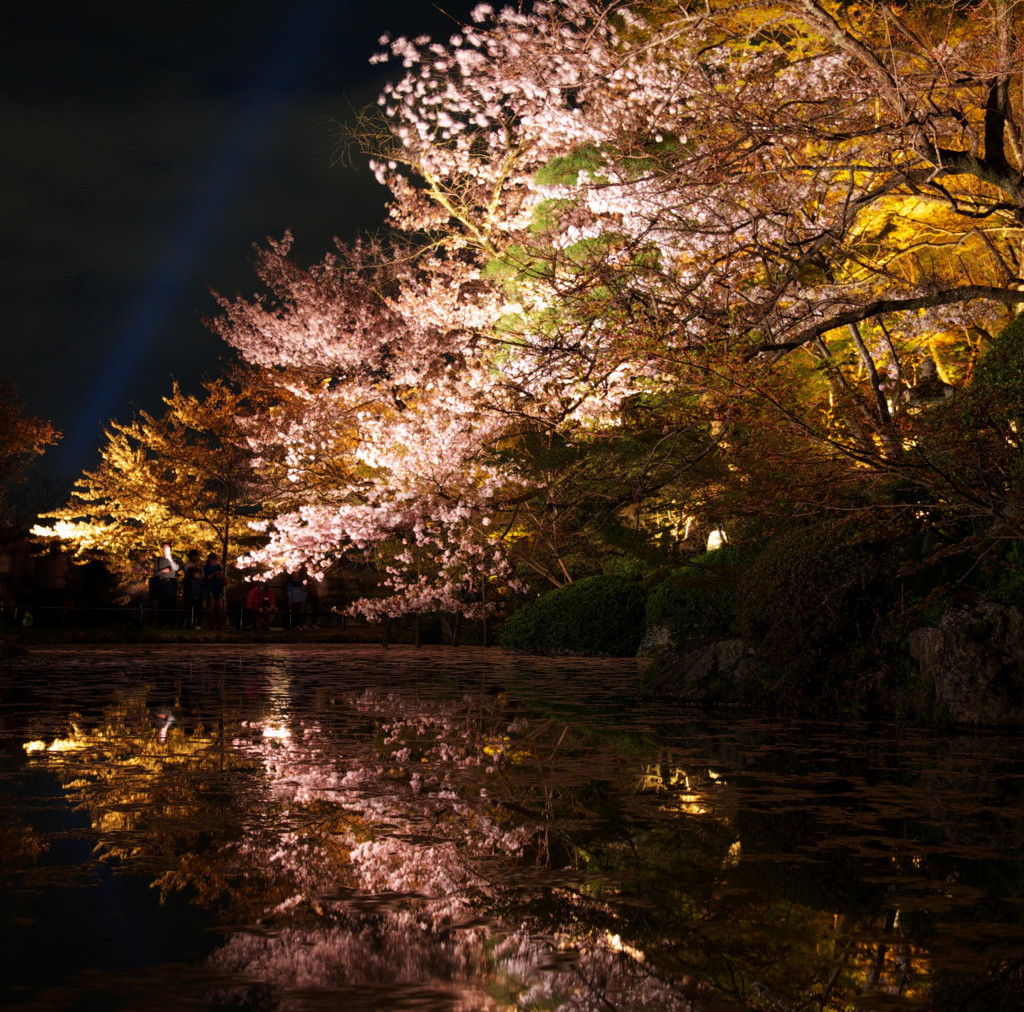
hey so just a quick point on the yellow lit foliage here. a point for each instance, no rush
(184, 477)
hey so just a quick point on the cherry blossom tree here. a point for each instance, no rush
(387, 425)
(701, 193)
(784, 221)
(418, 435)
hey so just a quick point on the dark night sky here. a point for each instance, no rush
(145, 145)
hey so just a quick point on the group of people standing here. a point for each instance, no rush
(202, 595)
(202, 598)
(301, 598)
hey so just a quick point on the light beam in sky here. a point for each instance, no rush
(198, 226)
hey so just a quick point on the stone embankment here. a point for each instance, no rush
(968, 669)
(974, 658)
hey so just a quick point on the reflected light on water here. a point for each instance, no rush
(616, 944)
(690, 795)
(57, 745)
(390, 836)
(279, 694)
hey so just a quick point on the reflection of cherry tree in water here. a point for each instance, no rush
(431, 826)
(529, 856)
(464, 855)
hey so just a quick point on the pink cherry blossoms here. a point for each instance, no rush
(611, 203)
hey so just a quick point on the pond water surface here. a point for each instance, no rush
(274, 828)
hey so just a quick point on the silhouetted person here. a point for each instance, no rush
(213, 591)
(96, 592)
(313, 602)
(165, 574)
(192, 590)
(295, 593)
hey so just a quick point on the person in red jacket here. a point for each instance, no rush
(260, 606)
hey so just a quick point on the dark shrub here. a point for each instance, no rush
(596, 615)
(812, 605)
(698, 601)
(1002, 579)
(998, 387)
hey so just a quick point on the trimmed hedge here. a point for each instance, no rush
(698, 601)
(814, 605)
(597, 615)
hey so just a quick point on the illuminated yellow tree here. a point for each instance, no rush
(184, 477)
(22, 437)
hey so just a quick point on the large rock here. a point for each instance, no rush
(699, 670)
(656, 641)
(975, 660)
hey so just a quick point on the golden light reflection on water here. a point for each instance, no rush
(746, 864)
